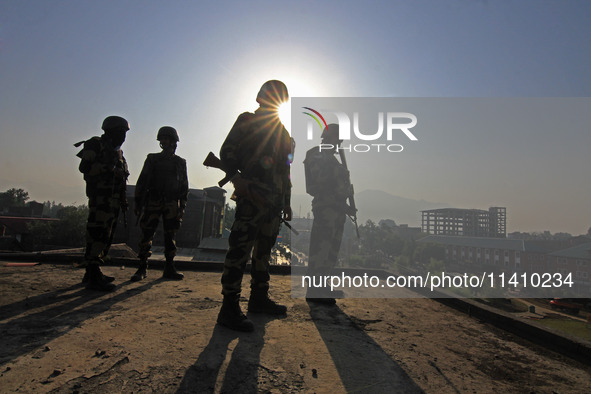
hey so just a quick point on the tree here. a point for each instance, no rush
(51, 209)
(13, 198)
(70, 230)
(382, 238)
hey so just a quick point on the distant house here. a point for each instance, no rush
(32, 209)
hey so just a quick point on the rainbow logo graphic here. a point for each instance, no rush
(315, 118)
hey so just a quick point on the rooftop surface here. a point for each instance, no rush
(160, 336)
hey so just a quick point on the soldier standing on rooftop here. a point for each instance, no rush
(257, 152)
(105, 172)
(162, 189)
(327, 180)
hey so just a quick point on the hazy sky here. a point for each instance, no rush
(66, 65)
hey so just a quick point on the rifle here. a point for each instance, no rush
(351, 197)
(213, 161)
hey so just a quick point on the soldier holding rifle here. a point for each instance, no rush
(256, 156)
(327, 180)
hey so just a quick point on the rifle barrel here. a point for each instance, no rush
(351, 197)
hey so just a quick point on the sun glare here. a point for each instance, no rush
(297, 87)
(284, 111)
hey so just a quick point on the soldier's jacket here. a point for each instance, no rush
(259, 146)
(327, 180)
(104, 167)
(163, 177)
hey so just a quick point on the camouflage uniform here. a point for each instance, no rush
(260, 148)
(161, 190)
(327, 180)
(105, 172)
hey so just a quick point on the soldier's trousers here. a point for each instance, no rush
(254, 230)
(153, 210)
(325, 239)
(103, 213)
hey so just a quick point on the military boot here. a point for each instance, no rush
(106, 278)
(142, 271)
(259, 302)
(170, 272)
(96, 279)
(231, 315)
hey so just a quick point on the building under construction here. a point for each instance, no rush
(466, 222)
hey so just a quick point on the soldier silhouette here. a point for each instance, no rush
(161, 191)
(257, 152)
(105, 172)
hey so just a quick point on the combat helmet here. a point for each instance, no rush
(115, 123)
(167, 131)
(273, 93)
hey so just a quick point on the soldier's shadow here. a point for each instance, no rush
(56, 317)
(230, 361)
(363, 366)
(39, 301)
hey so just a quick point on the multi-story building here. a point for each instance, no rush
(465, 222)
(576, 260)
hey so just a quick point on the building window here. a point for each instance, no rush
(581, 263)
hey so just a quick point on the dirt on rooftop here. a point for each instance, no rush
(160, 336)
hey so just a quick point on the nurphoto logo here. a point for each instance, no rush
(396, 124)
